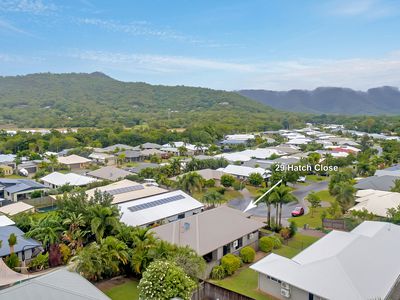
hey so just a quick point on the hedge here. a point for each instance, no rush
(247, 254)
(230, 263)
(266, 244)
(218, 273)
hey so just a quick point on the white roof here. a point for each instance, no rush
(72, 160)
(127, 190)
(242, 170)
(176, 145)
(235, 156)
(243, 137)
(7, 157)
(96, 155)
(15, 208)
(73, 179)
(299, 141)
(246, 155)
(6, 221)
(152, 213)
(340, 265)
(376, 202)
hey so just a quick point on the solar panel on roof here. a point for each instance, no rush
(156, 203)
(126, 189)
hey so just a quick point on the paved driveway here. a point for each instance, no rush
(261, 210)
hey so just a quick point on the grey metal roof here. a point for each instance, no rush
(109, 173)
(23, 243)
(151, 146)
(19, 185)
(61, 285)
(131, 153)
(381, 183)
(142, 166)
(120, 147)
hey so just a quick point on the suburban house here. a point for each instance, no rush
(25, 248)
(381, 183)
(147, 153)
(56, 180)
(131, 155)
(243, 172)
(236, 139)
(159, 209)
(6, 221)
(117, 148)
(213, 233)
(392, 171)
(140, 166)
(16, 208)
(18, 189)
(103, 158)
(31, 166)
(7, 170)
(376, 202)
(207, 174)
(361, 264)
(74, 161)
(60, 284)
(127, 190)
(109, 173)
(147, 146)
(174, 148)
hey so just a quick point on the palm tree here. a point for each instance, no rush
(12, 241)
(74, 221)
(191, 182)
(175, 165)
(212, 198)
(89, 262)
(47, 230)
(103, 219)
(144, 249)
(268, 202)
(344, 195)
(280, 195)
(115, 252)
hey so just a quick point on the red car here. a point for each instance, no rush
(298, 211)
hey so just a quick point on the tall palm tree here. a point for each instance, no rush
(12, 241)
(115, 252)
(344, 195)
(47, 230)
(74, 221)
(268, 202)
(191, 182)
(103, 219)
(212, 198)
(144, 249)
(175, 165)
(281, 195)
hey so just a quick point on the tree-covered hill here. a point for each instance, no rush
(96, 100)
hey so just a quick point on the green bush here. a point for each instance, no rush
(218, 273)
(227, 180)
(237, 185)
(210, 183)
(247, 254)
(12, 261)
(292, 228)
(65, 253)
(266, 244)
(285, 233)
(230, 263)
(277, 241)
(40, 262)
(221, 190)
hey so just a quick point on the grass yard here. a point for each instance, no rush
(287, 251)
(316, 178)
(325, 196)
(125, 291)
(253, 190)
(313, 222)
(227, 196)
(244, 281)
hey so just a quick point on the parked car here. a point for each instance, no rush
(298, 211)
(301, 179)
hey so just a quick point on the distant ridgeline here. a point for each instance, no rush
(96, 100)
(331, 100)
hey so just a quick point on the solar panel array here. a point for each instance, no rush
(125, 189)
(156, 203)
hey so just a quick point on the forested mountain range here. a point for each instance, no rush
(331, 100)
(97, 100)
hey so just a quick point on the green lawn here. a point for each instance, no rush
(228, 195)
(244, 281)
(253, 190)
(325, 196)
(313, 222)
(125, 291)
(287, 251)
(316, 178)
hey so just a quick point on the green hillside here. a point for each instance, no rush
(96, 100)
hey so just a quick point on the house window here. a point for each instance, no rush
(273, 279)
(238, 243)
(227, 249)
(181, 216)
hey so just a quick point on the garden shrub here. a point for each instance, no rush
(285, 233)
(292, 228)
(209, 183)
(237, 186)
(218, 273)
(276, 241)
(40, 262)
(12, 261)
(65, 253)
(221, 190)
(266, 244)
(247, 254)
(231, 263)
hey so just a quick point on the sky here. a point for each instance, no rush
(223, 44)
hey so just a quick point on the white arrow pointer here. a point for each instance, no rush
(253, 203)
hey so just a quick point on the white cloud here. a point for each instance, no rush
(8, 27)
(37, 7)
(364, 8)
(277, 75)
